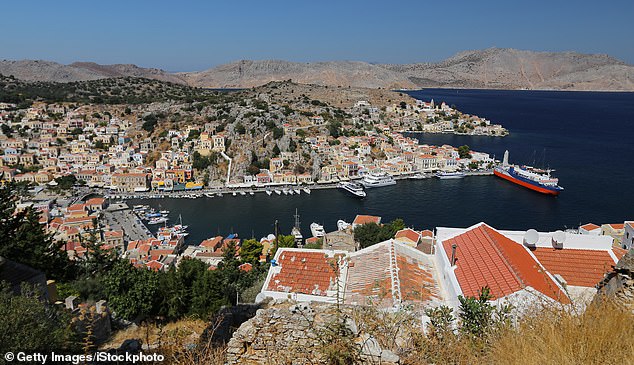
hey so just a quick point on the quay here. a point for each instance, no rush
(120, 217)
(242, 189)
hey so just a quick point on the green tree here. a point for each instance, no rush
(29, 324)
(131, 292)
(176, 287)
(278, 133)
(464, 151)
(65, 182)
(23, 239)
(479, 318)
(239, 128)
(371, 233)
(250, 251)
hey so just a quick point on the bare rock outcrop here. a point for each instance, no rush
(288, 333)
(619, 283)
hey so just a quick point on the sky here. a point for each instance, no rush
(196, 35)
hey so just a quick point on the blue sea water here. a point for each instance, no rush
(587, 137)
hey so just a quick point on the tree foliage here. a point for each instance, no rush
(23, 239)
(28, 324)
(371, 233)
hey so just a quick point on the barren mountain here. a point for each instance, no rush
(492, 68)
(496, 68)
(37, 70)
(337, 73)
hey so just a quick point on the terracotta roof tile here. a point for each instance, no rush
(619, 252)
(364, 219)
(589, 226)
(485, 257)
(577, 267)
(304, 272)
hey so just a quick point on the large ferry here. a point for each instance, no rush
(529, 177)
(353, 188)
(376, 180)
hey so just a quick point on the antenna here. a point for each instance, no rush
(531, 237)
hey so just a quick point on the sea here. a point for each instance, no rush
(586, 137)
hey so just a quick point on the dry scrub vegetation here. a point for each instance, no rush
(551, 335)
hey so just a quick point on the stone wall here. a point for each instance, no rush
(619, 283)
(289, 333)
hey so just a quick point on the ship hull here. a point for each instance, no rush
(525, 184)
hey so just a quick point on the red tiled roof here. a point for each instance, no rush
(409, 234)
(113, 234)
(577, 267)
(485, 257)
(616, 225)
(211, 242)
(589, 226)
(427, 233)
(154, 265)
(369, 280)
(363, 219)
(619, 252)
(246, 267)
(303, 272)
(95, 201)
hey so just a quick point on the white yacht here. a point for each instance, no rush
(342, 225)
(376, 180)
(450, 175)
(317, 230)
(353, 188)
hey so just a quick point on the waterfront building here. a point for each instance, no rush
(130, 181)
(361, 219)
(590, 228)
(614, 230)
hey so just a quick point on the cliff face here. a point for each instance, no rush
(492, 68)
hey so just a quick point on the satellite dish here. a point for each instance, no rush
(530, 237)
(559, 237)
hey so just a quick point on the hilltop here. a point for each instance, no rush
(493, 68)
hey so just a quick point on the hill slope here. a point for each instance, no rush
(493, 68)
(515, 69)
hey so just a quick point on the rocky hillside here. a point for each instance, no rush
(340, 73)
(37, 70)
(514, 69)
(493, 68)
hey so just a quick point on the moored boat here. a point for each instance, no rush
(377, 180)
(353, 188)
(317, 230)
(529, 177)
(450, 175)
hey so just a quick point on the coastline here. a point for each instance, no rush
(193, 194)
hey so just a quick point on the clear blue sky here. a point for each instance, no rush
(195, 35)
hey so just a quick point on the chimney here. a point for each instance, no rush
(71, 302)
(453, 254)
(101, 306)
